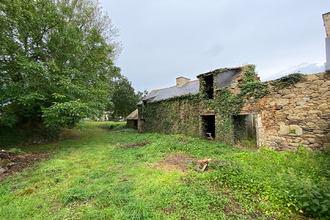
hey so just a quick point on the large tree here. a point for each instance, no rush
(124, 99)
(55, 61)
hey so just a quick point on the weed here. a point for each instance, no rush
(74, 194)
(16, 150)
(250, 143)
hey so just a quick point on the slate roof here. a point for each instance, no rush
(191, 87)
(224, 78)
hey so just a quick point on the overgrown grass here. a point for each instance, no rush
(95, 177)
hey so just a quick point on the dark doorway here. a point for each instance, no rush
(208, 126)
(244, 127)
(208, 88)
(135, 124)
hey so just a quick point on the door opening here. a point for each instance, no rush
(208, 126)
(245, 128)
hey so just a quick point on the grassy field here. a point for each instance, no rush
(109, 172)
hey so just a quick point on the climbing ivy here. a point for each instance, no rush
(183, 114)
(286, 81)
(228, 104)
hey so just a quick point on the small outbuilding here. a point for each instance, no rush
(132, 119)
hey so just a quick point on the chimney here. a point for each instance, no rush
(180, 81)
(326, 19)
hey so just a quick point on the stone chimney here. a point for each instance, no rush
(326, 19)
(180, 81)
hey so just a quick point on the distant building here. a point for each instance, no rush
(132, 119)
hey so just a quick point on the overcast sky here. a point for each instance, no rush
(164, 39)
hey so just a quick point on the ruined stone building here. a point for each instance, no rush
(232, 105)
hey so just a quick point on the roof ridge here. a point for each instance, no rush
(155, 90)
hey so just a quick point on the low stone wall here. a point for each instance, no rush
(296, 115)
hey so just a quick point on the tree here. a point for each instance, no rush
(124, 98)
(55, 61)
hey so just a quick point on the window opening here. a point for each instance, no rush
(208, 88)
(144, 104)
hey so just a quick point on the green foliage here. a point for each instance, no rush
(15, 150)
(24, 136)
(117, 126)
(287, 81)
(56, 61)
(164, 116)
(124, 98)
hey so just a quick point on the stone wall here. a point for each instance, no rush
(295, 115)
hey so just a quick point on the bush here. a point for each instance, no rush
(27, 135)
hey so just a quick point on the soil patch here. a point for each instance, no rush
(13, 163)
(176, 161)
(135, 145)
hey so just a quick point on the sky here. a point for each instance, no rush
(165, 39)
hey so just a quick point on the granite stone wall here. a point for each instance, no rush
(295, 115)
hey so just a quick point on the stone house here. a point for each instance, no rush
(231, 105)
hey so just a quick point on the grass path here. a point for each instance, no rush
(120, 174)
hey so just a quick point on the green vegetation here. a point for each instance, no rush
(120, 174)
(287, 81)
(13, 136)
(124, 98)
(56, 68)
(56, 60)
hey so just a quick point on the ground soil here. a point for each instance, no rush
(176, 161)
(16, 163)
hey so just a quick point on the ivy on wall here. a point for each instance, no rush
(286, 81)
(176, 115)
(183, 114)
(228, 104)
